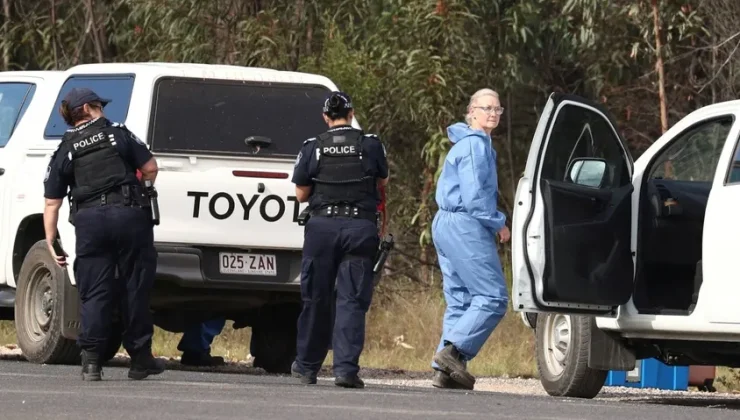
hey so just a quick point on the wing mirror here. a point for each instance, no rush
(589, 172)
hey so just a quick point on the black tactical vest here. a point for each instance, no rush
(98, 168)
(341, 177)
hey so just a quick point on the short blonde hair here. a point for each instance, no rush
(480, 93)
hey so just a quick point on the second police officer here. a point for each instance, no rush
(338, 173)
(97, 160)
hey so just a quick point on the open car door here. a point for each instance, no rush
(572, 223)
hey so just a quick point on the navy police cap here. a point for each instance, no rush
(81, 96)
(338, 100)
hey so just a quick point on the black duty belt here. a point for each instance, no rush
(345, 211)
(115, 197)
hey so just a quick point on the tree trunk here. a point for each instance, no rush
(6, 35)
(510, 146)
(661, 81)
(54, 33)
(297, 36)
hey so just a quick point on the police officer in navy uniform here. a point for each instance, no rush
(97, 160)
(338, 173)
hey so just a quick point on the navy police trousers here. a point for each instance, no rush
(115, 238)
(337, 250)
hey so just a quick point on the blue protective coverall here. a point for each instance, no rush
(464, 233)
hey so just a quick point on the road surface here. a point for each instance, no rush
(30, 391)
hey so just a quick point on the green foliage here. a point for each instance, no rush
(411, 66)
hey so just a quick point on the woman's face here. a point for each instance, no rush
(485, 112)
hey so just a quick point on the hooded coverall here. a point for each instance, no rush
(464, 234)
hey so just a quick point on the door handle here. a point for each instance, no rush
(2, 171)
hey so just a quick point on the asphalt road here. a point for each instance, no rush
(29, 391)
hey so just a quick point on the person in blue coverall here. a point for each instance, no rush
(464, 233)
(196, 341)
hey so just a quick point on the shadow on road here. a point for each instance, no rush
(694, 399)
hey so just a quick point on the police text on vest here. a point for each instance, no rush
(89, 141)
(339, 150)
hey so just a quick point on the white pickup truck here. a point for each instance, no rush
(616, 261)
(229, 245)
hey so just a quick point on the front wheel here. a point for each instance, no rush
(562, 348)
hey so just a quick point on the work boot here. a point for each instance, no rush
(352, 381)
(443, 380)
(91, 368)
(144, 364)
(449, 361)
(201, 359)
(306, 378)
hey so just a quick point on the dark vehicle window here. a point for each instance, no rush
(579, 132)
(219, 116)
(14, 99)
(733, 176)
(116, 88)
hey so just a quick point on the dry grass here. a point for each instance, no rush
(399, 323)
(417, 322)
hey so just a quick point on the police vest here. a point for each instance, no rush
(341, 176)
(97, 165)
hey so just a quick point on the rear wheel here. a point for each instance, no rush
(562, 356)
(273, 342)
(38, 310)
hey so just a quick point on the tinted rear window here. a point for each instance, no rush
(218, 116)
(117, 88)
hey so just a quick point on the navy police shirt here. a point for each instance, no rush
(59, 174)
(373, 151)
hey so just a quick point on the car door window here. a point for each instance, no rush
(733, 173)
(694, 155)
(14, 99)
(117, 88)
(581, 132)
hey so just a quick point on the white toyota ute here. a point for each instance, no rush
(616, 261)
(229, 245)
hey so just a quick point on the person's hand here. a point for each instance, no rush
(61, 260)
(504, 234)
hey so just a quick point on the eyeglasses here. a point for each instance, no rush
(489, 110)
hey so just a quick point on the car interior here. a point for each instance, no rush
(673, 202)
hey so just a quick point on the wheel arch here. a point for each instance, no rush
(30, 230)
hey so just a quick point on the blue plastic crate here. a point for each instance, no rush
(651, 373)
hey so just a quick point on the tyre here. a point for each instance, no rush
(562, 346)
(273, 342)
(38, 310)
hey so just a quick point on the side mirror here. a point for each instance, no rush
(589, 172)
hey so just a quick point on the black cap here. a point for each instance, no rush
(81, 96)
(337, 100)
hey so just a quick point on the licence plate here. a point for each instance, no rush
(250, 264)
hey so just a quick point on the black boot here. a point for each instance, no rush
(91, 368)
(144, 364)
(306, 378)
(352, 381)
(443, 380)
(201, 359)
(449, 361)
